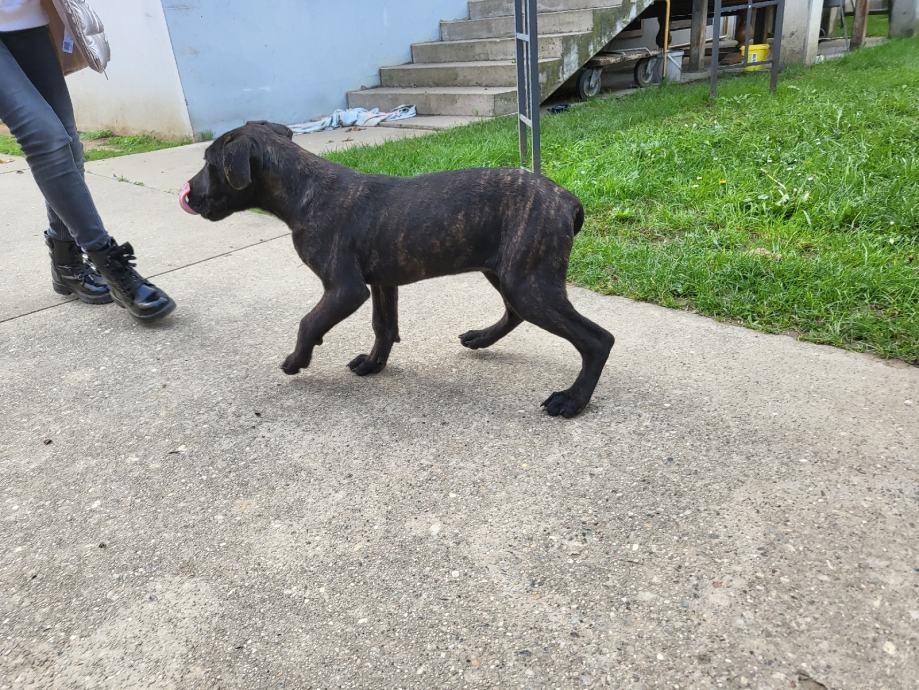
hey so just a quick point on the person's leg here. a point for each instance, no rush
(25, 110)
(43, 70)
(35, 105)
(39, 122)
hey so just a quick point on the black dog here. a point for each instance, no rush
(353, 230)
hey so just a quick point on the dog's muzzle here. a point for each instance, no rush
(183, 199)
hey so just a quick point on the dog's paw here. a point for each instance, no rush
(362, 365)
(291, 365)
(563, 404)
(476, 340)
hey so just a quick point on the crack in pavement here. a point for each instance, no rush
(135, 183)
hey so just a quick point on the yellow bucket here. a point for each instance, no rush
(758, 53)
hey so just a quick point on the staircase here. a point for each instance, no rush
(472, 69)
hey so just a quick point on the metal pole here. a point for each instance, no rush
(526, 32)
(777, 44)
(716, 44)
(746, 34)
(533, 32)
(521, 81)
(666, 43)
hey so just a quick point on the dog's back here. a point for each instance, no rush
(462, 220)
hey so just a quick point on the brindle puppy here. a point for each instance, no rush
(355, 230)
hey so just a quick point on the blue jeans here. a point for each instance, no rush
(35, 105)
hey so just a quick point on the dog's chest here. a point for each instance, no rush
(312, 249)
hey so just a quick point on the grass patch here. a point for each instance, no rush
(797, 212)
(96, 134)
(878, 25)
(8, 146)
(112, 146)
(102, 143)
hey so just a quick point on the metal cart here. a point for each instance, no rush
(646, 61)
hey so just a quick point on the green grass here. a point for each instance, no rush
(796, 213)
(878, 25)
(8, 146)
(100, 144)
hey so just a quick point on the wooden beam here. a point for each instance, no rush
(765, 23)
(697, 35)
(761, 25)
(860, 29)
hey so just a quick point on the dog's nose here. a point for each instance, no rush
(183, 199)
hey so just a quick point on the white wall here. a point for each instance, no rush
(290, 60)
(143, 92)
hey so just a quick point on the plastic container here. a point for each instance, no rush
(675, 65)
(758, 53)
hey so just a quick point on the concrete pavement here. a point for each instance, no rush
(733, 510)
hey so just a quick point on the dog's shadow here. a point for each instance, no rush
(507, 357)
(466, 378)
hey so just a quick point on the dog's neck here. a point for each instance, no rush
(291, 178)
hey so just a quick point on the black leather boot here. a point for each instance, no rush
(129, 289)
(71, 275)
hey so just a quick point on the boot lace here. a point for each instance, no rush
(121, 262)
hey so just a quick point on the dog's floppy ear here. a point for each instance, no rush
(274, 127)
(283, 131)
(237, 163)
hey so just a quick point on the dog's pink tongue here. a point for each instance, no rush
(183, 199)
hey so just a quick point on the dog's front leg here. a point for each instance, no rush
(385, 330)
(337, 303)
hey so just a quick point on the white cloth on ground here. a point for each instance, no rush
(354, 117)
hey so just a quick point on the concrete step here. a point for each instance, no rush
(483, 9)
(550, 46)
(571, 21)
(482, 73)
(484, 45)
(478, 101)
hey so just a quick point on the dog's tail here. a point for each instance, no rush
(578, 217)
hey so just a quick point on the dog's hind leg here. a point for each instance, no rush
(337, 303)
(541, 300)
(487, 337)
(385, 329)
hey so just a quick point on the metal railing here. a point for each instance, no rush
(527, 41)
(775, 53)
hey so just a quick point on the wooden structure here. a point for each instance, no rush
(751, 27)
(860, 27)
(697, 35)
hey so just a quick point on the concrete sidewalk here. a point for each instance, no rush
(733, 510)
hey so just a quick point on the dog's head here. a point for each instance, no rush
(227, 183)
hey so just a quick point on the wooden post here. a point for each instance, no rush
(697, 35)
(860, 29)
(761, 25)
